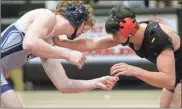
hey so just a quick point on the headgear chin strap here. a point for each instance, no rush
(76, 15)
(127, 41)
(73, 36)
(128, 28)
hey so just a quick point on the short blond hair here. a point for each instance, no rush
(60, 10)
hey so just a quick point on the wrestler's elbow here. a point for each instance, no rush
(170, 83)
(170, 86)
(29, 45)
(63, 90)
(64, 87)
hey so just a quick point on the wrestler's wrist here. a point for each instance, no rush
(67, 55)
(136, 72)
(94, 83)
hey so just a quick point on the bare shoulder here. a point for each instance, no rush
(42, 19)
(39, 12)
(172, 34)
(40, 15)
(166, 28)
(46, 17)
(44, 11)
(49, 15)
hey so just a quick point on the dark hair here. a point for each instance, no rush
(115, 15)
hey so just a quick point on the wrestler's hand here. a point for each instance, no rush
(122, 69)
(106, 82)
(76, 58)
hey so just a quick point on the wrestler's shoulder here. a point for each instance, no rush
(42, 11)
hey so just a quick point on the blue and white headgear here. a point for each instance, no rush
(76, 14)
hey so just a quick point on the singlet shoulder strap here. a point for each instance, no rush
(52, 32)
(147, 22)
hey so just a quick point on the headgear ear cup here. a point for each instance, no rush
(128, 26)
(76, 15)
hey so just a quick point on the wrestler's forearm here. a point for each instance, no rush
(83, 44)
(77, 86)
(157, 79)
(56, 73)
(42, 49)
(88, 44)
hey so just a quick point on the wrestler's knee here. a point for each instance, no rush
(176, 102)
(8, 96)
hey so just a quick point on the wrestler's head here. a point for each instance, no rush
(121, 23)
(79, 15)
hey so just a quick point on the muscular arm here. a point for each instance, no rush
(88, 44)
(56, 73)
(165, 78)
(37, 31)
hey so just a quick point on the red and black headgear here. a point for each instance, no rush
(121, 19)
(128, 28)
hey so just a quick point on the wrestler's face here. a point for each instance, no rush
(119, 37)
(83, 29)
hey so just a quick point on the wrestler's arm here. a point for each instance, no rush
(39, 29)
(165, 78)
(88, 44)
(56, 73)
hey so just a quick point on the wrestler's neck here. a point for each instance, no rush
(63, 26)
(139, 36)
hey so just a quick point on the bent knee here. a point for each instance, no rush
(176, 102)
